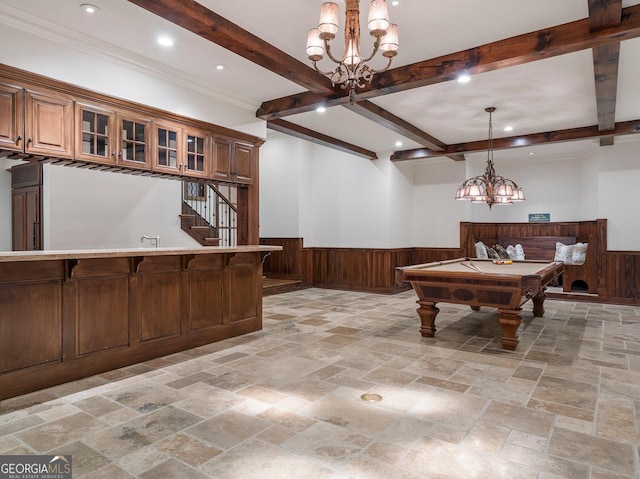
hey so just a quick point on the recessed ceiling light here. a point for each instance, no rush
(398, 144)
(220, 66)
(321, 109)
(464, 78)
(88, 8)
(531, 153)
(508, 128)
(165, 41)
(395, 3)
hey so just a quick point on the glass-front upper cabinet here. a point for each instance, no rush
(168, 150)
(95, 134)
(197, 153)
(134, 135)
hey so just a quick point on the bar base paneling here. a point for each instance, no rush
(66, 316)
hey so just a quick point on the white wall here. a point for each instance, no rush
(619, 182)
(436, 215)
(348, 201)
(5, 203)
(90, 209)
(280, 200)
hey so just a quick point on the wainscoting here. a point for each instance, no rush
(373, 269)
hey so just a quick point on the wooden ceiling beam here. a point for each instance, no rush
(557, 136)
(546, 43)
(197, 19)
(298, 131)
(605, 14)
(203, 22)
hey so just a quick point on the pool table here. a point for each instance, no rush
(478, 282)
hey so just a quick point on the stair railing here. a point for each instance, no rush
(212, 205)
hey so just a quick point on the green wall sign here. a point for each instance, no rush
(539, 217)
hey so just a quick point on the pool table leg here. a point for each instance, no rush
(427, 312)
(538, 303)
(509, 321)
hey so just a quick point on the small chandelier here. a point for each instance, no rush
(490, 188)
(352, 70)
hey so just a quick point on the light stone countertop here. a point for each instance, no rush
(14, 256)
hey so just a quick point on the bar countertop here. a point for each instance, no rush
(44, 255)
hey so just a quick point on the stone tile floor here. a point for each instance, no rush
(285, 402)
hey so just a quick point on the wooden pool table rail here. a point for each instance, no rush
(501, 287)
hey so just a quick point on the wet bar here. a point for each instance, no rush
(65, 315)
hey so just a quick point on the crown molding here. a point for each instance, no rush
(55, 33)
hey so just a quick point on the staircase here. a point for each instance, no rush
(209, 213)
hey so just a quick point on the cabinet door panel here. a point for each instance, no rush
(134, 145)
(48, 124)
(30, 324)
(11, 118)
(168, 154)
(197, 153)
(221, 165)
(95, 134)
(25, 217)
(243, 162)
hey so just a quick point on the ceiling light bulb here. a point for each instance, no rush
(321, 109)
(398, 144)
(464, 78)
(220, 66)
(508, 128)
(165, 41)
(88, 8)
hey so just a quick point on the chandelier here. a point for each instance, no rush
(352, 69)
(490, 188)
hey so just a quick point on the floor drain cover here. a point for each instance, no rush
(369, 397)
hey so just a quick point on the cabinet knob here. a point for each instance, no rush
(29, 140)
(18, 140)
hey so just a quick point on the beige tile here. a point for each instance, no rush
(187, 449)
(375, 468)
(227, 429)
(54, 434)
(142, 460)
(109, 472)
(141, 432)
(172, 468)
(354, 414)
(519, 418)
(602, 453)
(260, 460)
(328, 444)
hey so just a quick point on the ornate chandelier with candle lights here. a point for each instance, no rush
(490, 188)
(352, 70)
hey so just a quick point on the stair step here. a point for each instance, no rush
(201, 227)
(184, 215)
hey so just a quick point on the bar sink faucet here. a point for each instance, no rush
(155, 240)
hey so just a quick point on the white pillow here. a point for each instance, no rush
(515, 252)
(564, 253)
(579, 253)
(481, 250)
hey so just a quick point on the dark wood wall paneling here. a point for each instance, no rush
(373, 270)
(65, 319)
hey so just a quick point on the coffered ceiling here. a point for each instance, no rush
(563, 74)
